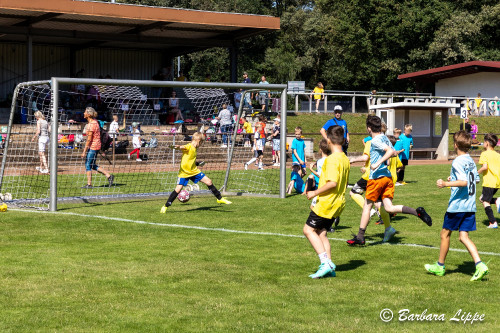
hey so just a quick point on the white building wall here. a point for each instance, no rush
(486, 83)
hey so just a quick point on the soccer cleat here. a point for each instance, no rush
(379, 222)
(355, 241)
(246, 166)
(493, 226)
(435, 269)
(223, 146)
(38, 168)
(422, 214)
(163, 209)
(138, 160)
(202, 163)
(110, 180)
(398, 184)
(44, 171)
(224, 201)
(388, 234)
(87, 186)
(403, 183)
(497, 202)
(261, 168)
(322, 271)
(481, 271)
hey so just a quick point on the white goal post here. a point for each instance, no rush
(205, 96)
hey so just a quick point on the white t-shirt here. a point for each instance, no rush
(113, 128)
(136, 139)
(258, 144)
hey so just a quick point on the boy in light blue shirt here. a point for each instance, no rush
(404, 156)
(461, 213)
(299, 151)
(296, 181)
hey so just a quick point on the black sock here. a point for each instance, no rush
(361, 234)
(409, 210)
(489, 213)
(310, 184)
(400, 178)
(402, 175)
(215, 191)
(171, 198)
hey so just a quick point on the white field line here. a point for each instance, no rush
(119, 219)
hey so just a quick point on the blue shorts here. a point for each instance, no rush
(90, 161)
(465, 221)
(194, 179)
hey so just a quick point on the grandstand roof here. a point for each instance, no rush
(84, 24)
(465, 68)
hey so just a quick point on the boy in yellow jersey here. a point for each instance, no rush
(330, 202)
(490, 161)
(394, 162)
(189, 171)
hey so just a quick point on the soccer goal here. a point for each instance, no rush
(158, 115)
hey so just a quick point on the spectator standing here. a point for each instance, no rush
(468, 127)
(247, 101)
(318, 94)
(226, 124)
(264, 95)
(173, 106)
(473, 129)
(337, 120)
(42, 132)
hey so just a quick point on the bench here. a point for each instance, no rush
(423, 151)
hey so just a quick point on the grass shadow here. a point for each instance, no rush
(351, 265)
(394, 240)
(467, 268)
(209, 208)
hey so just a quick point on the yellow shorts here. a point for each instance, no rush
(380, 188)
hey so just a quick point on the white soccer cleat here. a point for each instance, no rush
(138, 160)
(246, 166)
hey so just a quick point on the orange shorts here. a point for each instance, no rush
(380, 188)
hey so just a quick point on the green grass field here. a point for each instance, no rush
(123, 267)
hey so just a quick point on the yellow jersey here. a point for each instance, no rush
(368, 145)
(335, 168)
(188, 166)
(317, 92)
(247, 127)
(394, 165)
(491, 177)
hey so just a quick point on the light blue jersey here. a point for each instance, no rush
(319, 165)
(463, 199)
(377, 151)
(300, 147)
(407, 142)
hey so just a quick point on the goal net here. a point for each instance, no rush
(151, 117)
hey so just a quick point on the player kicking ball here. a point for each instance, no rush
(189, 171)
(380, 185)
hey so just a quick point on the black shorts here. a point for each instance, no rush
(257, 153)
(360, 186)
(404, 162)
(318, 222)
(488, 193)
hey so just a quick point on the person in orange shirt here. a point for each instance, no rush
(92, 147)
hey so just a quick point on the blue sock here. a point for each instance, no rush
(477, 263)
(440, 264)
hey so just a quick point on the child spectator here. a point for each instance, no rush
(296, 181)
(330, 202)
(247, 128)
(299, 151)
(490, 161)
(188, 171)
(407, 144)
(275, 136)
(262, 122)
(473, 129)
(461, 212)
(318, 94)
(257, 148)
(42, 133)
(380, 185)
(136, 141)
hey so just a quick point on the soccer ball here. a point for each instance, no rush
(3, 208)
(183, 196)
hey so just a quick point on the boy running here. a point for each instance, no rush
(490, 161)
(189, 171)
(380, 185)
(461, 213)
(330, 202)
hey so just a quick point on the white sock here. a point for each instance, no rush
(260, 164)
(252, 160)
(323, 257)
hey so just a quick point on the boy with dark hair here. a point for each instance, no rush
(188, 171)
(380, 185)
(461, 212)
(330, 202)
(490, 161)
